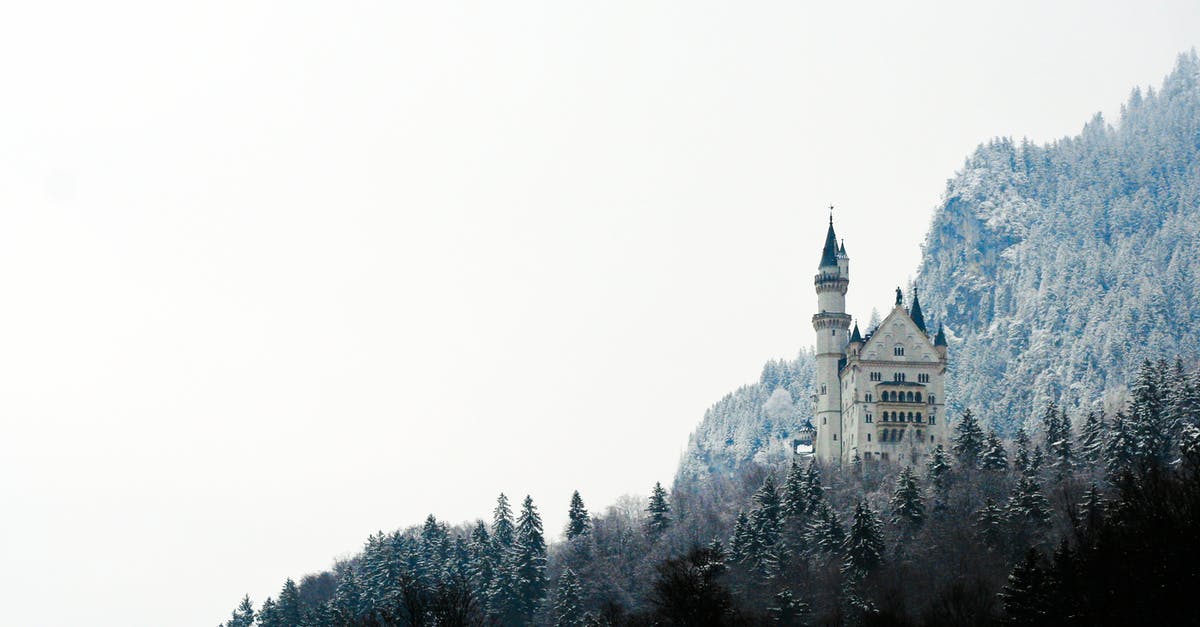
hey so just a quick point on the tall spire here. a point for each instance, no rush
(940, 338)
(856, 336)
(830, 252)
(915, 314)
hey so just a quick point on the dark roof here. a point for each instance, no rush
(916, 314)
(842, 249)
(940, 339)
(829, 253)
(855, 336)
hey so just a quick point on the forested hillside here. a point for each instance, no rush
(1059, 267)
(1056, 268)
(753, 424)
(1092, 523)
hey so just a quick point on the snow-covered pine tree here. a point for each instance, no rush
(1061, 449)
(937, 472)
(502, 524)
(825, 532)
(530, 559)
(864, 544)
(1024, 595)
(1022, 462)
(1120, 446)
(740, 542)
(659, 510)
(1152, 431)
(243, 615)
(1051, 426)
(347, 603)
(989, 521)
(995, 458)
(1091, 439)
(764, 518)
(1027, 503)
(482, 560)
(907, 509)
(579, 522)
(268, 615)
(793, 502)
(568, 604)
(968, 441)
(290, 610)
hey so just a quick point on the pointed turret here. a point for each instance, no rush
(856, 336)
(842, 249)
(916, 314)
(940, 338)
(829, 255)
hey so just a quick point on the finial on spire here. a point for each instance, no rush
(830, 215)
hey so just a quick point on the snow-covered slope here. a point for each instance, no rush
(1059, 267)
(1056, 268)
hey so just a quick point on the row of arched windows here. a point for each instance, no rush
(901, 397)
(891, 435)
(899, 416)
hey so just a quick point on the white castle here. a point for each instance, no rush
(878, 397)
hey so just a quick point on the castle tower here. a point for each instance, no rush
(832, 325)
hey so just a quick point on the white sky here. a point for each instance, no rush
(274, 276)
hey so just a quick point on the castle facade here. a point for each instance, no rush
(880, 397)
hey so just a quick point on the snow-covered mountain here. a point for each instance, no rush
(1057, 269)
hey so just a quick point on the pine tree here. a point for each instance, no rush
(907, 508)
(1027, 503)
(578, 520)
(1152, 431)
(568, 606)
(1024, 595)
(1091, 439)
(1120, 447)
(243, 616)
(937, 472)
(740, 542)
(268, 615)
(530, 559)
(482, 559)
(990, 523)
(347, 604)
(1023, 462)
(864, 545)
(291, 611)
(659, 510)
(825, 531)
(1061, 450)
(1092, 510)
(764, 518)
(968, 441)
(1051, 427)
(995, 458)
(793, 503)
(502, 523)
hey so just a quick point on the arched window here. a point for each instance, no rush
(910, 416)
(910, 397)
(898, 351)
(896, 396)
(918, 397)
(931, 439)
(868, 437)
(932, 400)
(900, 436)
(918, 416)
(835, 437)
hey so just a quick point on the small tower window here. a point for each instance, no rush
(835, 437)
(932, 419)
(823, 388)
(876, 376)
(868, 437)
(931, 400)
(868, 417)
(868, 397)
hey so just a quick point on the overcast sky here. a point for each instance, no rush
(274, 276)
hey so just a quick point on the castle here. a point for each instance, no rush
(878, 397)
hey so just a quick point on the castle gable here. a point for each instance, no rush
(898, 338)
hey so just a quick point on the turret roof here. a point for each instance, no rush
(855, 336)
(940, 339)
(916, 314)
(829, 253)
